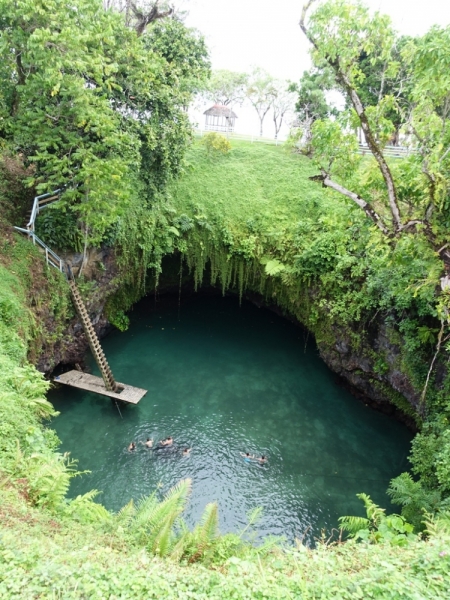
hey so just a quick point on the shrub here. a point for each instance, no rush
(215, 143)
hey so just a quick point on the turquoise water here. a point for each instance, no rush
(225, 379)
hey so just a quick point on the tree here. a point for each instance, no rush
(165, 132)
(260, 92)
(226, 87)
(282, 102)
(340, 33)
(185, 53)
(62, 66)
(380, 80)
(86, 100)
(311, 102)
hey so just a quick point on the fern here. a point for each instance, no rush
(273, 267)
(183, 543)
(414, 498)
(252, 518)
(143, 511)
(152, 522)
(353, 525)
(199, 545)
(209, 525)
(377, 527)
(84, 509)
(163, 518)
(205, 534)
(160, 544)
(374, 512)
(126, 514)
(437, 524)
(49, 477)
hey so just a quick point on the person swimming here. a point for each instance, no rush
(247, 456)
(262, 460)
(167, 442)
(132, 447)
(148, 443)
(187, 451)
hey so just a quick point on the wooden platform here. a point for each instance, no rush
(91, 383)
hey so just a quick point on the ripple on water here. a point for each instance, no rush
(222, 380)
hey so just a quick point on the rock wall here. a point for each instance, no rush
(100, 270)
(389, 389)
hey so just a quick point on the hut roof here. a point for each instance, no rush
(218, 110)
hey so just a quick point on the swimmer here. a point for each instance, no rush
(131, 447)
(187, 451)
(247, 455)
(167, 442)
(262, 460)
(148, 443)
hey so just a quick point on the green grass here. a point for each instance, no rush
(254, 187)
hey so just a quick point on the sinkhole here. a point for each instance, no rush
(225, 378)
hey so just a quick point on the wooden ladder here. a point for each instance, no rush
(92, 338)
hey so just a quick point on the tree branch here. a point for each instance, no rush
(144, 19)
(430, 370)
(410, 224)
(372, 143)
(367, 208)
(305, 9)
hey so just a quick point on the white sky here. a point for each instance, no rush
(265, 33)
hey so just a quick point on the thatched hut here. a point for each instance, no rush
(220, 118)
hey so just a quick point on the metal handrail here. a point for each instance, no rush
(37, 207)
(391, 151)
(51, 257)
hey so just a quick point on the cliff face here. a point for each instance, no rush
(373, 371)
(100, 270)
